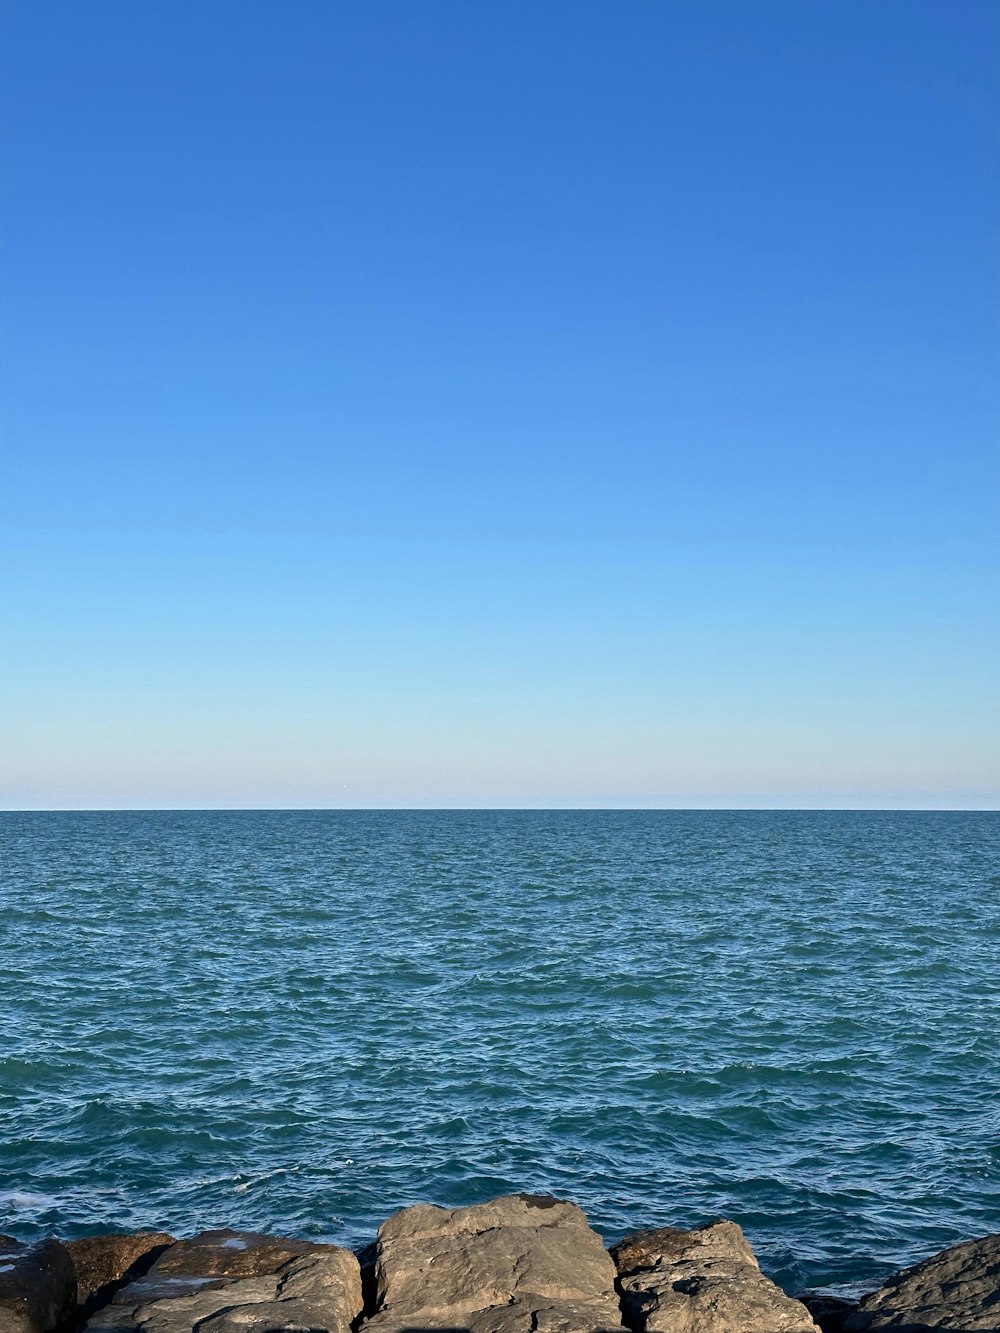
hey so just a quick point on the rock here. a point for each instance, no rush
(956, 1289)
(103, 1263)
(219, 1256)
(239, 1282)
(37, 1286)
(701, 1281)
(517, 1264)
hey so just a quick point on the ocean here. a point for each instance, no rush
(299, 1022)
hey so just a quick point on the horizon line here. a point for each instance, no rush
(497, 809)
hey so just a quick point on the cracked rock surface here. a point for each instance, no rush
(956, 1289)
(517, 1264)
(239, 1282)
(702, 1281)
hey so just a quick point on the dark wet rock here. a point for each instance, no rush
(956, 1289)
(520, 1264)
(701, 1281)
(239, 1282)
(37, 1286)
(829, 1312)
(104, 1263)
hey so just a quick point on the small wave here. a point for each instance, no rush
(26, 1199)
(244, 1185)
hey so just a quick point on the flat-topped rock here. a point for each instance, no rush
(702, 1281)
(104, 1263)
(956, 1289)
(37, 1286)
(229, 1281)
(213, 1258)
(519, 1263)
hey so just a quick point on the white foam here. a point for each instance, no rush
(24, 1199)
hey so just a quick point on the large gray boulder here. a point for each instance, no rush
(956, 1289)
(37, 1286)
(701, 1281)
(239, 1282)
(519, 1264)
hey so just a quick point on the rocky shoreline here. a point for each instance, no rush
(518, 1264)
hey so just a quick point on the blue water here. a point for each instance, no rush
(300, 1021)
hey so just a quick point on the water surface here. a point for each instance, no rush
(301, 1021)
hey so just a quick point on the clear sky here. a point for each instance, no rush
(500, 402)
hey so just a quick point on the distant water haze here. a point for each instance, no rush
(301, 1021)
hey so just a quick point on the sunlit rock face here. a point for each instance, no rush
(239, 1282)
(517, 1264)
(702, 1281)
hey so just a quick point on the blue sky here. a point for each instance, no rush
(500, 404)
